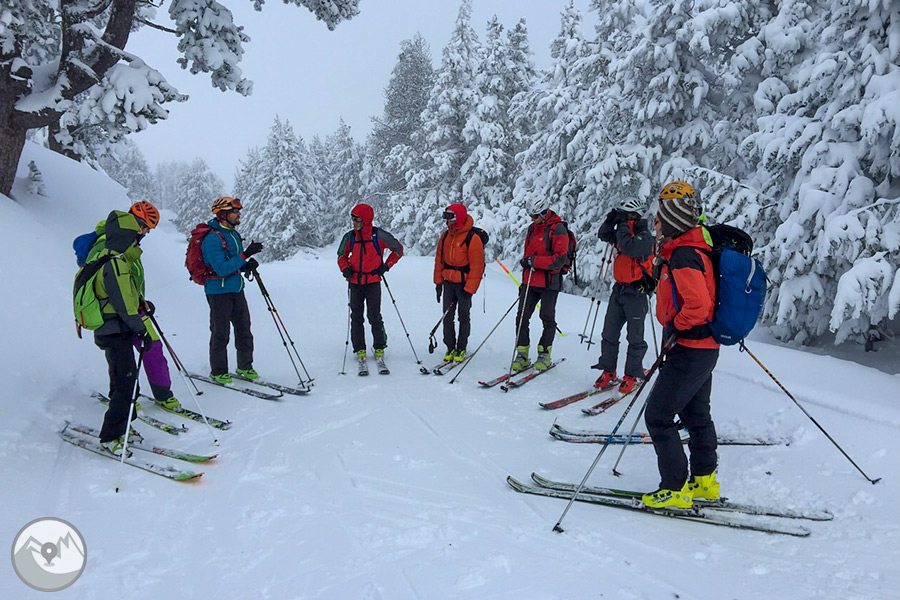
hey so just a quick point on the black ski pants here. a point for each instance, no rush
(122, 376)
(366, 295)
(225, 311)
(455, 293)
(683, 389)
(527, 303)
(628, 307)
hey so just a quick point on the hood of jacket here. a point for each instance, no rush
(122, 230)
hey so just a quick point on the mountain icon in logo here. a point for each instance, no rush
(49, 554)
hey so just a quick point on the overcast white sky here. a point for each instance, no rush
(309, 75)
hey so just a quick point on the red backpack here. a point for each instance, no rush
(199, 271)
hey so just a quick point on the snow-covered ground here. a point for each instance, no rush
(393, 486)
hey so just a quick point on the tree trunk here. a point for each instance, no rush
(12, 141)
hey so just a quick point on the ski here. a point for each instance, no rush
(151, 421)
(502, 378)
(700, 515)
(603, 406)
(576, 397)
(193, 416)
(284, 389)
(142, 444)
(443, 370)
(93, 444)
(722, 504)
(520, 382)
(362, 367)
(435, 368)
(230, 386)
(597, 437)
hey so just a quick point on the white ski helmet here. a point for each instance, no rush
(538, 204)
(632, 204)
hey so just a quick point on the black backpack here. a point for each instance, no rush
(570, 254)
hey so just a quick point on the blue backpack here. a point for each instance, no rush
(82, 246)
(740, 284)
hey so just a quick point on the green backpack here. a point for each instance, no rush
(88, 307)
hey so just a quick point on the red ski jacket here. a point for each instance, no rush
(362, 250)
(548, 243)
(690, 302)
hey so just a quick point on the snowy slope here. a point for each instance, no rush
(393, 486)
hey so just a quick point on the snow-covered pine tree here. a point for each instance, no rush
(556, 107)
(828, 145)
(489, 172)
(54, 55)
(417, 214)
(196, 190)
(282, 211)
(390, 150)
(342, 183)
(166, 179)
(127, 166)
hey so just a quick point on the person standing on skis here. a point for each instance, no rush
(684, 305)
(154, 361)
(458, 268)
(629, 301)
(224, 253)
(120, 305)
(360, 259)
(545, 256)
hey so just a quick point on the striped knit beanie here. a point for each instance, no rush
(678, 215)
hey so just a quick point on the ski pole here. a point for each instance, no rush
(558, 527)
(347, 340)
(471, 356)
(179, 366)
(583, 333)
(513, 277)
(744, 348)
(137, 391)
(282, 330)
(652, 324)
(590, 339)
(607, 261)
(432, 342)
(408, 339)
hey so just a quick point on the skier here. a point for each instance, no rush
(120, 302)
(626, 229)
(685, 303)
(458, 268)
(226, 256)
(154, 361)
(545, 255)
(362, 265)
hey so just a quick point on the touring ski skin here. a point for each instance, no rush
(141, 444)
(701, 515)
(93, 444)
(229, 386)
(151, 421)
(510, 384)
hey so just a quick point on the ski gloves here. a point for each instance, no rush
(253, 248)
